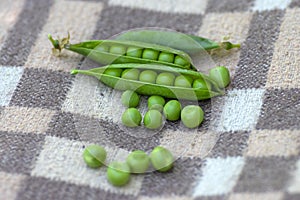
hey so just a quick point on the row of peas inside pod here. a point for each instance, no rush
(133, 50)
(166, 81)
(137, 162)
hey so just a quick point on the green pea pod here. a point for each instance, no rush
(185, 42)
(118, 52)
(150, 89)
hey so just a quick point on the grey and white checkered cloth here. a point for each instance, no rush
(247, 148)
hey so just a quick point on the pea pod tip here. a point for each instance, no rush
(74, 72)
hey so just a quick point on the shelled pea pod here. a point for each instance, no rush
(121, 51)
(185, 42)
(163, 84)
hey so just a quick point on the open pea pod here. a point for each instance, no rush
(146, 88)
(185, 42)
(118, 52)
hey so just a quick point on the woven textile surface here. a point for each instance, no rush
(248, 146)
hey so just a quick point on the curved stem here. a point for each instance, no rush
(55, 43)
(58, 44)
(229, 45)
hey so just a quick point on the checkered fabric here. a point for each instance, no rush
(248, 147)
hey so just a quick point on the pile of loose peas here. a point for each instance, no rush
(191, 115)
(137, 162)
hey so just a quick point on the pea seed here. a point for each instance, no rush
(161, 159)
(131, 74)
(138, 161)
(113, 72)
(134, 52)
(156, 103)
(220, 75)
(166, 57)
(183, 81)
(117, 49)
(172, 110)
(118, 174)
(150, 54)
(201, 83)
(148, 76)
(192, 116)
(180, 61)
(94, 156)
(130, 99)
(153, 119)
(102, 48)
(165, 78)
(131, 117)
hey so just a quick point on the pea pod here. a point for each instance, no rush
(121, 51)
(184, 42)
(149, 89)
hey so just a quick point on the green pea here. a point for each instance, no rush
(117, 49)
(148, 76)
(172, 110)
(118, 174)
(161, 159)
(102, 48)
(131, 117)
(130, 99)
(166, 57)
(94, 156)
(131, 74)
(201, 83)
(113, 72)
(180, 61)
(192, 116)
(156, 103)
(220, 75)
(183, 81)
(134, 52)
(165, 78)
(138, 161)
(150, 54)
(153, 119)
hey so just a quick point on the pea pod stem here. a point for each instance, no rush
(55, 43)
(208, 44)
(228, 45)
(58, 44)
